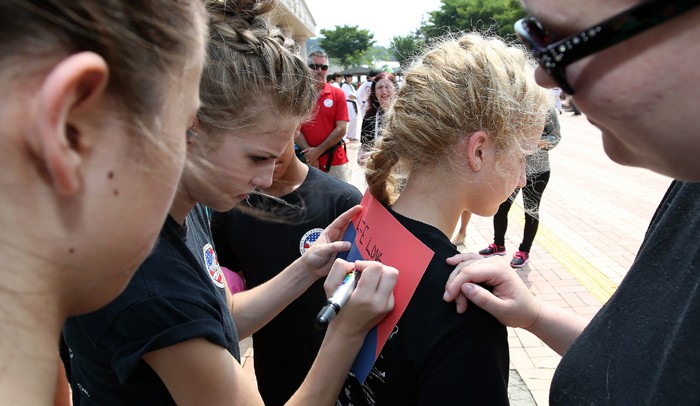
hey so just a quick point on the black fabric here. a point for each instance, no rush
(330, 151)
(436, 356)
(171, 299)
(642, 346)
(286, 347)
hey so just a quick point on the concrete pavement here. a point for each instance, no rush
(593, 217)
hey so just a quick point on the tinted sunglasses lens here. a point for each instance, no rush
(314, 66)
(530, 32)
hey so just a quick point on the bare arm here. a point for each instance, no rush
(301, 141)
(254, 308)
(198, 372)
(511, 302)
(312, 154)
(372, 296)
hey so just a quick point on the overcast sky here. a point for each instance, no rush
(383, 18)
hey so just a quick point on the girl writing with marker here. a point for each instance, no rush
(172, 336)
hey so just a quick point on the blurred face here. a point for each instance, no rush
(384, 92)
(640, 92)
(317, 70)
(500, 173)
(241, 162)
(284, 160)
(130, 183)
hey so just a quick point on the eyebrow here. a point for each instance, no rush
(265, 155)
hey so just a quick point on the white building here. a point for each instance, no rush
(294, 17)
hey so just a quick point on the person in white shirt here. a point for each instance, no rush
(363, 92)
(351, 97)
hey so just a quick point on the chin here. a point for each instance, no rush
(615, 151)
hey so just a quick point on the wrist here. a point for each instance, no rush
(303, 272)
(539, 319)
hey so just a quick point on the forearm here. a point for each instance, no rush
(301, 141)
(252, 309)
(325, 380)
(558, 328)
(334, 137)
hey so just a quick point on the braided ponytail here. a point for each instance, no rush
(380, 172)
(253, 68)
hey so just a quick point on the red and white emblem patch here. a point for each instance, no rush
(213, 268)
(308, 239)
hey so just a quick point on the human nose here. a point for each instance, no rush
(263, 179)
(544, 79)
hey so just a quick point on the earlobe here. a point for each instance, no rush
(65, 103)
(474, 150)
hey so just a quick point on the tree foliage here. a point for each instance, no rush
(498, 16)
(346, 43)
(405, 48)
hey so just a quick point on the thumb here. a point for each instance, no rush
(481, 297)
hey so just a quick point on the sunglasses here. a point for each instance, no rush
(315, 66)
(555, 55)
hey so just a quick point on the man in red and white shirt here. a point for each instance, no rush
(320, 137)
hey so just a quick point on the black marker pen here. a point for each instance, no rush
(337, 300)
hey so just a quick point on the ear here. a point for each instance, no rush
(65, 99)
(473, 148)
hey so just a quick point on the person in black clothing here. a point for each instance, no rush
(621, 82)
(454, 133)
(172, 336)
(97, 97)
(260, 244)
(383, 91)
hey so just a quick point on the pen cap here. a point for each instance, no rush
(325, 316)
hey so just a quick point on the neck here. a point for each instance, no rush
(292, 178)
(32, 325)
(430, 202)
(182, 205)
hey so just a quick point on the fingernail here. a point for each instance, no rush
(468, 288)
(444, 296)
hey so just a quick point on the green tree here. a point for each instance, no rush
(404, 48)
(497, 16)
(347, 43)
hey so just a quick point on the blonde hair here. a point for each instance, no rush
(253, 68)
(456, 88)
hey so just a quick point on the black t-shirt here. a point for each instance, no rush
(642, 346)
(175, 296)
(436, 356)
(260, 248)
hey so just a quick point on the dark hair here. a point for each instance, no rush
(374, 72)
(139, 40)
(372, 99)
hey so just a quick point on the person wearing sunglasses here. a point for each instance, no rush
(633, 69)
(321, 136)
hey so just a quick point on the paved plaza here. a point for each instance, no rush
(593, 217)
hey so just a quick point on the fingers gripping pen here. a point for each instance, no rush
(337, 300)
